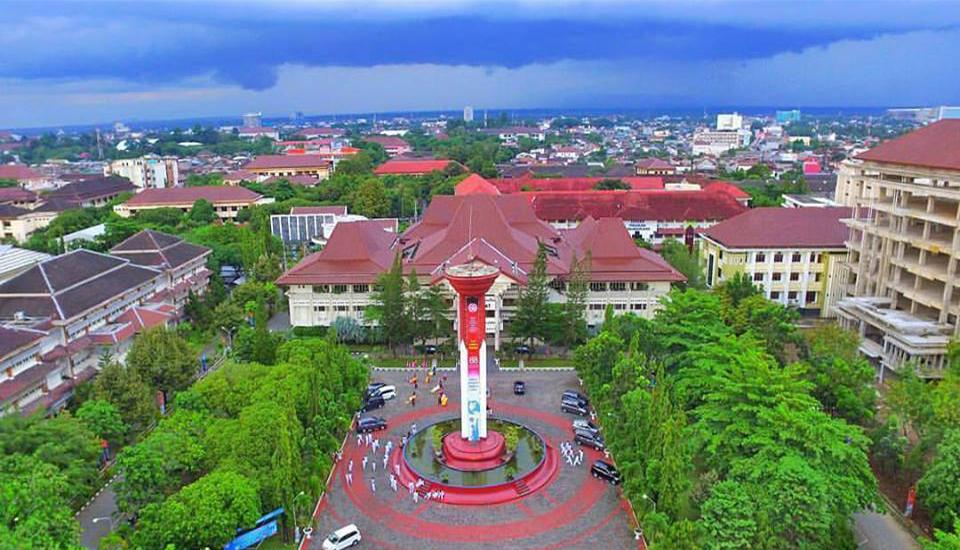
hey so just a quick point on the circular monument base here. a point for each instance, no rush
(474, 456)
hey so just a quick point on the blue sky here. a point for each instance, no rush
(76, 62)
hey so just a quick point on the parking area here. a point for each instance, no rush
(573, 510)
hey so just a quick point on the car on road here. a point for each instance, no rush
(372, 403)
(519, 387)
(522, 349)
(387, 392)
(574, 406)
(583, 424)
(590, 439)
(344, 537)
(370, 424)
(604, 470)
(374, 386)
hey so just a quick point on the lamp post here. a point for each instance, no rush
(104, 518)
(229, 335)
(645, 497)
(296, 526)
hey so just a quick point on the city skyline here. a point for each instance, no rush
(93, 62)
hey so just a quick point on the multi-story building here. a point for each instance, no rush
(904, 248)
(314, 165)
(61, 315)
(717, 142)
(93, 191)
(227, 201)
(253, 120)
(788, 116)
(313, 225)
(468, 113)
(792, 254)
(500, 231)
(146, 172)
(731, 121)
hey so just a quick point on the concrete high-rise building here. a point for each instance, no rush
(733, 121)
(904, 248)
(146, 172)
(253, 120)
(468, 113)
(784, 117)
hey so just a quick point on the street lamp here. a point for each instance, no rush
(229, 335)
(104, 518)
(645, 497)
(296, 527)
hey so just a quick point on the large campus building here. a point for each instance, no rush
(791, 254)
(58, 317)
(904, 248)
(499, 230)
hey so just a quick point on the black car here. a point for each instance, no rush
(586, 425)
(519, 387)
(605, 470)
(522, 349)
(430, 349)
(372, 403)
(583, 437)
(370, 424)
(574, 406)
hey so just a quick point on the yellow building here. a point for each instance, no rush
(792, 254)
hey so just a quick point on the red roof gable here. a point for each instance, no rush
(189, 195)
(515, 185)
(934, 146)
(387, 141)
(634, 205)
(475, 184)
(411, 167)
(18, 172)
(783, 228)
(267, 162)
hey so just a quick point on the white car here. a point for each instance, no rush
(343, 537)
(387, 392)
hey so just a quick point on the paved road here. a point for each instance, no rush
(104, 505)
(881, 532)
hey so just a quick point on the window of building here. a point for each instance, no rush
(361, 288)
(339, 289)
(778, 257)
(811, 297)
(796, 257)
(341, 308)
(774, 295)
(639, 286)
(719, 273)
(619, 307)
(794, 276)
(818, 258)
(792, 295)
(777, 276)
(596, 307)
(618, 287)
(598, 287)
(760, 257)
(558, 285)
(321, 289)
(758, 277)
(816, 277)
(721, 254)
(639, 307)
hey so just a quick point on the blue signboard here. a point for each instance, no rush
(251, 538)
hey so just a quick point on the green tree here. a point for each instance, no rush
(103, 419)
(944, 540)
(937, 489)
(737, 288)
(125, 389)
(34, 508)
(164, 359)
(371, 199)
(437, 312)
(202, 212)
(417, 315)
(684, 261)
(389, 309)
(608, 184)
(769, 322)
(527, 324)
(842, 378)
(574, 325)
(205, 514)
(729, 518)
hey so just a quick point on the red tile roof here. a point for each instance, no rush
(16, 194)
(515, 185)
(387, 141)
(654, 163)
(499, 230)
(189, 195)
(18, 172)
(411, 167)
(933, 146)
(474, 184)
(268, 162)
(783, 228)
(634, 205)
(726, 187)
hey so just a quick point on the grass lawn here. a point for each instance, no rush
(537, 362)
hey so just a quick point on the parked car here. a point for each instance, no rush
(574, 406)
(370, 424)
(582, 424)
(570, 394)
(519, 387)
(387, 392)
(372, 403)
(522, 349)
(344, 537)
(374, 386)
(605, 470)
(430, 349)
(590, 439)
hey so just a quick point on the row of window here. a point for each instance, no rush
(759, 257)
(792, 296)
(618, 286)
(340, 289)
(776, 276)
(641, 306)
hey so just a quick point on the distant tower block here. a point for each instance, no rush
(472, 281)
(468, 113)
(253, 120)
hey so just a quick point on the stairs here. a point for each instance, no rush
(521, 488)
(424, 489)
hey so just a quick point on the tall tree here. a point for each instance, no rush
(575, 327)
(527, 324)
(938, 486)
(389, 308)
(419, 329)
(684, 261)
(34, 507)
(125, 389)
(103, 419)
(164, 359)
(437, 312)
